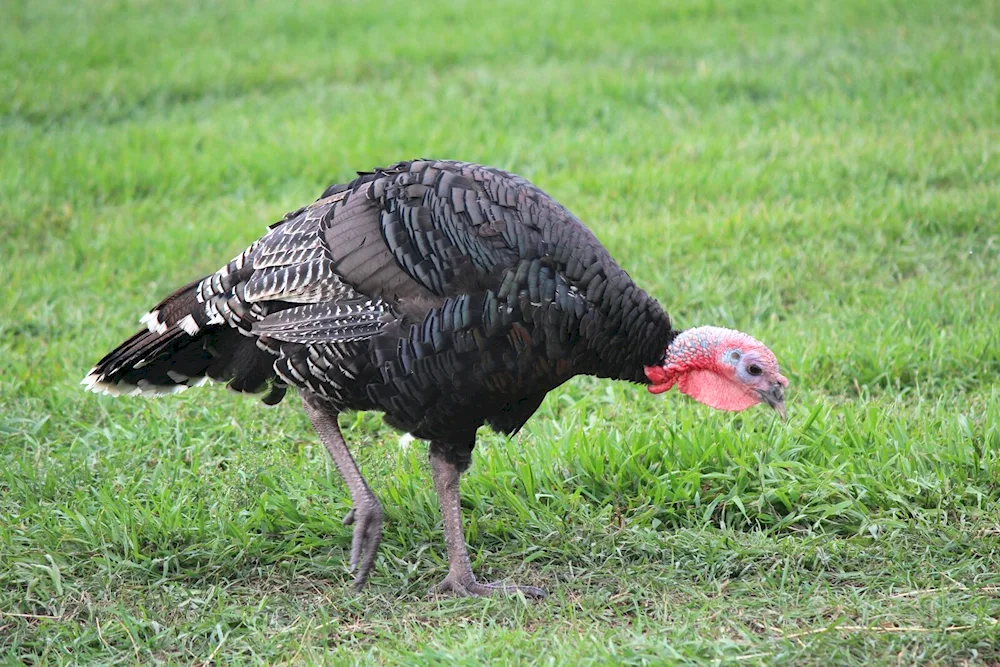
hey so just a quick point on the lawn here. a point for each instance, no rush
(824, 175)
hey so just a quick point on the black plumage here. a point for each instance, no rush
(444, 294)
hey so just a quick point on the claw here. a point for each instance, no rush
(349, 517)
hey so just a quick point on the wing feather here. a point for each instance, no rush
(337, 322)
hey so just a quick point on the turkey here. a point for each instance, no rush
(446, 295)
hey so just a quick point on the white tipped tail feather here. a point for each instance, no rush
(94, 382)
(97, 382)
(189, 325)
(153, 322)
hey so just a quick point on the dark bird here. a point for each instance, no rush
(444, 294)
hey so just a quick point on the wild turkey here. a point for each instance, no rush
(444, 294)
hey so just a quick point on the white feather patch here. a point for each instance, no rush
(145, 388)
(189, 326)
(95, 383)
(153, 322)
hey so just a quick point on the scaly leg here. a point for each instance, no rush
(366, 515)
(460, 581)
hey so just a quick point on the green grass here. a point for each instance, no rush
(824, 175)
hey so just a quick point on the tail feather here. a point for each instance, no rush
(171, 310)
(163, 359)
(150, 364)
(167, 357)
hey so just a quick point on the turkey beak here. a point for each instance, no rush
(775, 397)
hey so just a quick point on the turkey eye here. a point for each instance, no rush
(735, 356)
(754, 369)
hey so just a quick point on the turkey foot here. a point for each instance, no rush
(366, 517)
(467, 586)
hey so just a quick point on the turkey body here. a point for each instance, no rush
(444, 294)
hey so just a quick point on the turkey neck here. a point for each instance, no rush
(635, 333)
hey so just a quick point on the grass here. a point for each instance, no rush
(824, 175)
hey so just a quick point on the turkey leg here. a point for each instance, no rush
(460, 580)
(366, 515)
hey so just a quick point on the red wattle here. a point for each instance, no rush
(660, 380)
(655, 374)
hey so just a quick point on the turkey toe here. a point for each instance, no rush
(462, 587)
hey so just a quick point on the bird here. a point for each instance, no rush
(447, 295)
